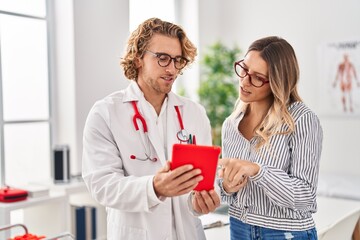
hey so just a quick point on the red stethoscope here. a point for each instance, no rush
(182, 135)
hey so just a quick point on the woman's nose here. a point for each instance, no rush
(246, 80)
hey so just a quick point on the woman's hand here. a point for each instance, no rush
(229, 187)
(205, 201)
(235, 173)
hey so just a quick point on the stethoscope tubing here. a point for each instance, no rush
(182, 135)
(179, 118)
(136, 116)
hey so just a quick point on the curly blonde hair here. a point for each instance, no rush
(140, 38)
(283, 72)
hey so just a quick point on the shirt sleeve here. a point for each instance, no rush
(296, 189)
(230, 198)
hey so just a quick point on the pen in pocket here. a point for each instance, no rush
(190, 139)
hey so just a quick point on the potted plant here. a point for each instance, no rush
(218, 89)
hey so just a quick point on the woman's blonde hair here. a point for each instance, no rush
(140, 38)
(283, 74)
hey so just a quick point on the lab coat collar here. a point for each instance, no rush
(134, 93)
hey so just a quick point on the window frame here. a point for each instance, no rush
(48, 18)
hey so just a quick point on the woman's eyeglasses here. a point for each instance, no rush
(164, 60)
(255, 79)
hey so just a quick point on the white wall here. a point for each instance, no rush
(88, 54)
(187, 17)
(306, 25)
(90, 39)
(63, 94)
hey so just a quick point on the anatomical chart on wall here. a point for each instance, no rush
(339, 78)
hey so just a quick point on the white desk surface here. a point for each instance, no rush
(329, 211)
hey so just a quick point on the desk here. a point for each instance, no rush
(329, 211)
(48, 211)
(50, 215)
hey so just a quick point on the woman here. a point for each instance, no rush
(271, 148)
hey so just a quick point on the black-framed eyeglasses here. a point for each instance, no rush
(164, 60)
(255, 79)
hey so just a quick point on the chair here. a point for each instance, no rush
(342, 229)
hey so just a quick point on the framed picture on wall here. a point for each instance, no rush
(339, 78)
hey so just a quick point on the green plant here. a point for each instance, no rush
(218, 89)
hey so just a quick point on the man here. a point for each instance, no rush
(129, 135)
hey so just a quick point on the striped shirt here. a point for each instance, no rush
(283, 194)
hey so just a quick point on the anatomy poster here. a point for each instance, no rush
(339, 78)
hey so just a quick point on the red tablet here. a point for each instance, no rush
(202, 157)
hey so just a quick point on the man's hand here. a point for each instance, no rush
(205, 202)
(176, 182)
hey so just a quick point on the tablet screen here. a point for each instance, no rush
(202, 157)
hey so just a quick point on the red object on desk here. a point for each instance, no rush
(28, 236)
(8, 194)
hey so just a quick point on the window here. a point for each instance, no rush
(24, 92)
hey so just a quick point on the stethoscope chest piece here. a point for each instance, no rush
(183, 135)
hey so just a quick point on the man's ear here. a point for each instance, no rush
(138, 62)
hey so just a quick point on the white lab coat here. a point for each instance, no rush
(123, 185)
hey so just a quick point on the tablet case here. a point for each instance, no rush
(202, 157)
(8, 194)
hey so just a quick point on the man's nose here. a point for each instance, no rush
(171, 67)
